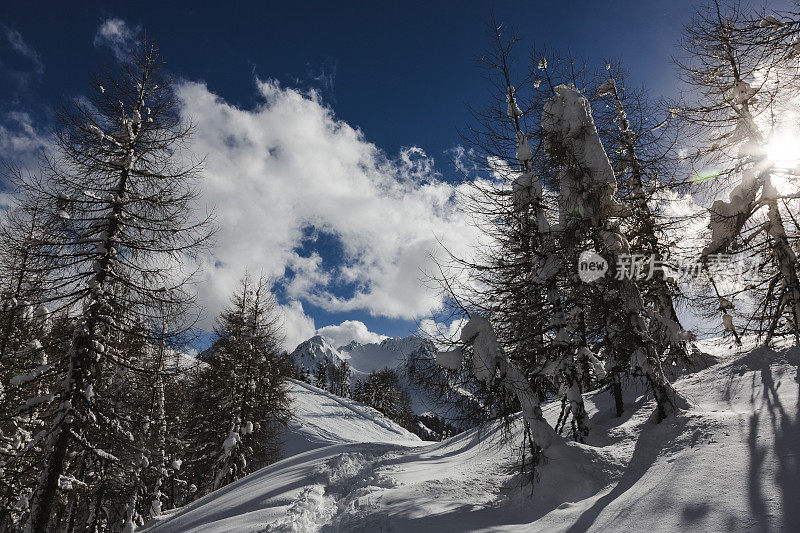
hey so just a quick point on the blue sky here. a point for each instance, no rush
(401, 71)
(388, 77)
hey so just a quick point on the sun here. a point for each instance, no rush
(783, 151)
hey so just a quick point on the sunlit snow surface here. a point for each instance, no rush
(730, 463)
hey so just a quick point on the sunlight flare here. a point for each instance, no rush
(783, 151)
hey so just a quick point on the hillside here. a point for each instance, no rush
(730, 463)
(323, 419)
(323, 426)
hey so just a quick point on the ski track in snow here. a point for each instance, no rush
(729, 463)
(345, 490)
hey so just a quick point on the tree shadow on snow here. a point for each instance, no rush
(786, 432)
(650, 444)
(571, 474)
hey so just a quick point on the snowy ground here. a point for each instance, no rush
(730, 463)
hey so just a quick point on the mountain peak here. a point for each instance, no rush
(316, 350)
(349, 347)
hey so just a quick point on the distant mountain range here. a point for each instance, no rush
(366, 358)
(363, 358)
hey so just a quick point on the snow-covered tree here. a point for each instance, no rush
(589, 213)
(383, 391)
(24, 286)
(517, 277)
(240, 399)
(159, 392)
(743, 70)
(639, 139)
(340, 379)
(303, 373)
(489, 364)
(543, 191)
(321, 374)
(118, 205)
(26, 327)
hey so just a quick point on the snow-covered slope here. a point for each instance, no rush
(322, 419)
(323, 426)
(730, 463)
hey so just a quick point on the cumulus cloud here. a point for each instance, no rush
(288, 165)
(349, 331)
(287, 169)
(297, 325)
(115, 34)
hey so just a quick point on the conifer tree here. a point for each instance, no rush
(115, 203)
(321, 375)
(590, 213)
(542, 190)
(26, 327)
(743, 69)
(241, 397)
(640, 145)
(340, 379)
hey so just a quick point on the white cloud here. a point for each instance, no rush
(308, 273)
(20, 142)
(24, 49)
(118, 36)
(349, 331)
(288, 165)
(274, 171)
(297, 326)
(441, 330)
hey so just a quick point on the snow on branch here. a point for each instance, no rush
(489, 359)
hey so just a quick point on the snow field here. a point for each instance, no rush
(728, 463)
